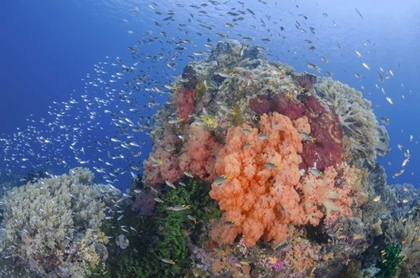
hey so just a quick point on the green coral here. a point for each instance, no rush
(159, 247)
(391, 261)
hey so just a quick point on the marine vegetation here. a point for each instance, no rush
(158, 244)
(391, 260)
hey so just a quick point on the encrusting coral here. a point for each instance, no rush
(53, 224)
(355, 115)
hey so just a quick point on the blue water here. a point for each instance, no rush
(52, 52)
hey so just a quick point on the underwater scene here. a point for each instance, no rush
(209, 138)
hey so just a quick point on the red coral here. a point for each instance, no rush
(184, 100)
(306, 81)
(260, 104)
(288, 106)
(280, 103)
(327, 148)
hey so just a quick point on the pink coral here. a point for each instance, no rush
(163, 162)
(184, 100)
(199, 154)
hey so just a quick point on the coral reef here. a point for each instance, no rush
(290, 159)
(53, 225)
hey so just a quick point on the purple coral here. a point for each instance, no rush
(144, 204)
(278, 266)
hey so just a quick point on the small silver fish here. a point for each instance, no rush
(263, 136)
(307, 137)
(271, 165)
(188, 174)
(170, 184)
(399, 173)
(220, 180)
(168, 261)
(157, 199)
(315, 172)
(314, 67)
(178, 208)
(246, 131)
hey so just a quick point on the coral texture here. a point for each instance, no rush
(327, 147)
(184, 100)
(46, 222)
(163, 162)
(199, 154)
(355, 115)
(306, 81)
(261, 192)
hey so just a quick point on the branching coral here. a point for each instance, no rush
(44, 221)
(261, 193)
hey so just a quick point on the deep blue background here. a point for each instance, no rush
(50, 50)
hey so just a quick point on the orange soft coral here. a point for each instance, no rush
(320, 197)
(261, 191)
(261, 166)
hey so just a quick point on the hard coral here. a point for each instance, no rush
(44, 220)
